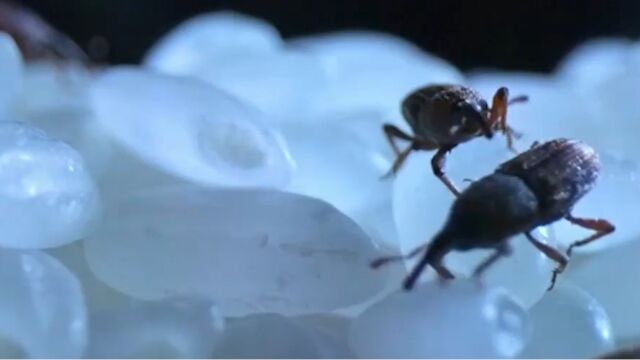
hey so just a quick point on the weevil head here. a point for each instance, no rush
(498, 108)
(490, 211)
(469, 116)
(502, 93)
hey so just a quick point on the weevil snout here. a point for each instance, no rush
(472, 111)
(500, 100)
(502, 93)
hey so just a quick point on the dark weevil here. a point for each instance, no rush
(35, 38)
(443, 116)
(624, 353)
(538, 187)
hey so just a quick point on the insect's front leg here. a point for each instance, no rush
(498, 115)
(600, 226)
(437, 166)
(511, 134)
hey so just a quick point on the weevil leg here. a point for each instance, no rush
(397, 163)
(412, 278)
(442, 271)
(600, 226)
(498, 115)
(388, 259)
(433, 256)
(437, 165)
(552, 254)
(392, 132)
(511, 134)
(502, 250)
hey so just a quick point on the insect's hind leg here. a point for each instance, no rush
(389, 259)
(392, 133)
(552, 254)
(501, 251)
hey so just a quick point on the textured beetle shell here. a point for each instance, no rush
(427, 110)
(560, 172)
(489, 211)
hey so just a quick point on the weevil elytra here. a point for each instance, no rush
(538, 187)
(442, 116)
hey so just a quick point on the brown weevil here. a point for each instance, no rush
(35, 38)
(442, 116)
(538, 187)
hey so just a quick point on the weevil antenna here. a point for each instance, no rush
(518, 99)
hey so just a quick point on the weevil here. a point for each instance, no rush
(442, 116)
(35, 38)
(632, 352)
(537, 187)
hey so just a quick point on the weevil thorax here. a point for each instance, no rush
(560, 172)
(490, 211)
(445, 113)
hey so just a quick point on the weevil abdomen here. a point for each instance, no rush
(560, 172)
(489, 211)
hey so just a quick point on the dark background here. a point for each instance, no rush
(514, 34)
